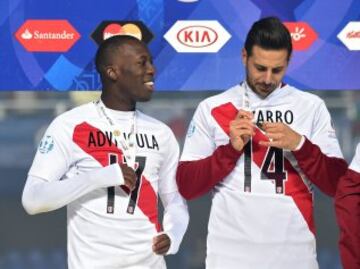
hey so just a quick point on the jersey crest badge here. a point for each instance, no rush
(191, 129)
(46, 144)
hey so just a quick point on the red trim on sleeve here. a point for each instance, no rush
(322, 170)
(347, 207)
(195, 178)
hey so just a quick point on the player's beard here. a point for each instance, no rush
(261, 89)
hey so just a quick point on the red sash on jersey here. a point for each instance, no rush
(147, 201)
(294, 184)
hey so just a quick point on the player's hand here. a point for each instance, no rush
(241, 129)
(280, 136)
(129, 176)
(161, 244)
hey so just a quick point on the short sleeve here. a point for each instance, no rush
(324, 134)
(199, 142)
(355, 163)
(53, 155)
(167, 182)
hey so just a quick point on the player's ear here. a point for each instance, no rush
(244, 56)
(289, 58)
(111, 73)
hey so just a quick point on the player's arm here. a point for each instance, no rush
(347, 208)
(319, 157)
(46, 188)
(176, 216)
(41, 195)
(175, 222)
(197, 177)
(322, 170)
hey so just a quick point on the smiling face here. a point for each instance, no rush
(126, 71)
(134, 72)
(265, 69)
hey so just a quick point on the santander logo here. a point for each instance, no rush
(197, 36)
(26, 34)
(47, 35)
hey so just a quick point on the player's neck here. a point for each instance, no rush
(117, 103)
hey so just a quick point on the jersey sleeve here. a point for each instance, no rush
(44, 190)
(167, 183)
(320, 157)
(199, 142)
(203, 165)
(41, 195)
(324, 133)
(176, 216)
(347, 208)
(176, 219)
(53, 156)
(355, 163)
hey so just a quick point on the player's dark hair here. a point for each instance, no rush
(270, 34)
(108, 47)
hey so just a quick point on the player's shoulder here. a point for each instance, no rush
(303, 96)
(152, 123)
(355, 163)
(221, 98)
(77, 114)
(67, 121)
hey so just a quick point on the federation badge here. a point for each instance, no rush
(46, 144)
(191, 129)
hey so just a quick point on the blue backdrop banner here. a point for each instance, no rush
(196, 45)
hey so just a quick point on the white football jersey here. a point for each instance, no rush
(355, 163)
(110, 228)
(262, 212)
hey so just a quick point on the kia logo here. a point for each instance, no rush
(197, 36)
(200, 36)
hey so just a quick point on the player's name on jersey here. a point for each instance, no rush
(107, 138)
(274, 116)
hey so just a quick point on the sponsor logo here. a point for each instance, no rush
(197, 36)
(353, 34)
(302, 35)
(126, 29)
(46, 144)
(350, 35)
(26, 34)
(107, 29)
(47, 35)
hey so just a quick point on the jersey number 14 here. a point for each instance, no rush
(272, 167)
